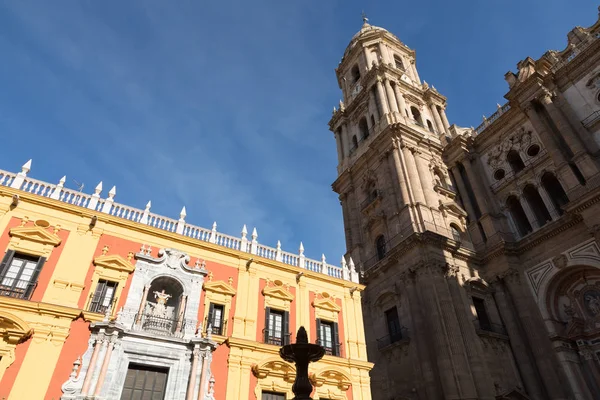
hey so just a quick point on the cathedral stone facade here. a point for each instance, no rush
(479, 247)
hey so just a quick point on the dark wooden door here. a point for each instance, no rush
(145, 383)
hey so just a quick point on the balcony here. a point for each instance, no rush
(160, 325)
(488, 327)
(390, 339)
(276, 338)
(18, 289)
(97, 305)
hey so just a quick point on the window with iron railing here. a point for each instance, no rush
(328, 337)
(276, 329)
(215, 318)
(103, 296)
(18, 274)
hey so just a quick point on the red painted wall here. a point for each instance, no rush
(118, 246)
(75, 345)
(10, 375)
(220, 272)
(219, 370)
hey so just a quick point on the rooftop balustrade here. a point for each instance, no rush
(179, 226)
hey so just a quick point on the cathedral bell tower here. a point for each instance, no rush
(405, 229)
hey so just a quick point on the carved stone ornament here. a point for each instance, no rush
(518, 140)
(560, 261)
(174, 258)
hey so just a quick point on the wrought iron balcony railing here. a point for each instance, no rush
(390, 339)
(276, 338)
(332, 349)
(160, 325)
(18, 289)
(97, 305)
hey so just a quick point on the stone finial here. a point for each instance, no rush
(254, 234)
(301, 249)
(323, 259)
(62, 180)
(183, 213)
(112, 192)
(148, 205)
(344, 264)
(105, 250)
(278, 245)
(26, 167)
(364, 18)
(244, 231)
(209, 331)
(98, 188)
(351, 265)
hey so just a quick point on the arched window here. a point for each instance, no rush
(456, 232)
(514, 159)
(355, 72)
(377, 100)
(354, 142)
(380, 244)
(577, 174)
(439, 179)
(416, 115)
(398, 63)
(363, 128)
(555, 191)
(372, 120)
(536, 204)
(430, 126)
(518, 215)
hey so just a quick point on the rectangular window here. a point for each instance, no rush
(272, 396)
(216, 313)
(276, 327)
(328, 337)
(482, 315)
(103, 296)
(145, 382)
(18, 274)
(393, 324)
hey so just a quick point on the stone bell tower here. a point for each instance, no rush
(405, 229)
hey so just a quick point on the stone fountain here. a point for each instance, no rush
(302, 353)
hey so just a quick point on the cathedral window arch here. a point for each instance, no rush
(456, 232)
(163, 306)
(555, 191)
(372, 120)
(518, 215)
(354, 143)
(514, 160)
(398, 63)
(380, 245)
(416, 115)
(430, 126)
(363, 128)
(355, 73)
(531, 194)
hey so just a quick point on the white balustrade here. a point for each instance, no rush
(107, 205)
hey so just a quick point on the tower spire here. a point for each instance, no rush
(364, 18)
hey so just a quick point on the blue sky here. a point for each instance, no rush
(222, 106)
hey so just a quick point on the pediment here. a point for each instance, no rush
(278, 292)
(331, 377)
(275, 368)
(327, 304)
(35, 234)
(13, 329)
(455, 208)
(114, 261)
(220, 287)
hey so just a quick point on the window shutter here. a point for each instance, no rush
(36, 273)
(286, 328)
(6, 262)
(211, 312)
(336, 340)
(267, 314)
(319, 331)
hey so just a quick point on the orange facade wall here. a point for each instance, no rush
(117, 246)
(5, 238)
(75, 345)
(340, 321)
(260, 321)
(11, 373)
(218, 368)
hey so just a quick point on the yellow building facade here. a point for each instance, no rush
(104, 301)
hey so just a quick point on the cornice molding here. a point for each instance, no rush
(35, 234)
(327, 303)
(115, 262)
(220, 287)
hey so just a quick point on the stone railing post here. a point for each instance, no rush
(146, 214)
(56, 193)
(181, 221)
(345, 272)
(323, 264)
(244, 244)
(278, 255)
(95, 197)
(302, 259)
(107, 206)
(254, 243)
(353, 273)
(20, 178)
(213, 233)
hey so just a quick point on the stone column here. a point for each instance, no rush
(547, 202)
(382, 100)
(104, 368)
(338, 142)
(442, 339)
(138, 319)
(390, 97)
(462, 190)
(413, 177)
(445, 120)
(181, 313)
(476, 187)
(535, 224)
(431, 197)
(373, 106)
(401, 101)
(203, 377)
(400, 177)
(91, 368)
(534, 329)
(521, 350)
(192, 382)
(438, 121)
(472, 345)
(345, 140)
(585, 136)
(422, 341)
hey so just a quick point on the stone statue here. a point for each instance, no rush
(160, 309)
(592, 303)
